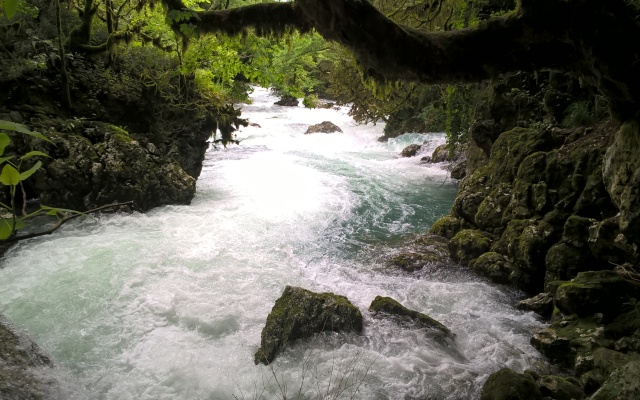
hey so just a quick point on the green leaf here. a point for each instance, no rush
(6, 228)
(5, 159)
(9, 175)
(24, 175)
(10, 7)
(4, 142)
(12, 126)
(33, 153)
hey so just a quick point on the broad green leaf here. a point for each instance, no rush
(6, 228)
(9, 175)
(10, 7)
(19, 224)
(12, 126)
(4, 142)
(24, 175)
(33, 153)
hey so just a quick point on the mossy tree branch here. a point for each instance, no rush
(588, 37)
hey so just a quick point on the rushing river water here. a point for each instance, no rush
(170, 304)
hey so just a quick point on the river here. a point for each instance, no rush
(170, 304)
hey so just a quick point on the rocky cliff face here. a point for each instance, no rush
(120, 142)
(554, 210)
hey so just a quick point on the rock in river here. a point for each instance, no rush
(300, 313)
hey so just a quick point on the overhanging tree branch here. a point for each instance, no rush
(65, 218)
(588, 37)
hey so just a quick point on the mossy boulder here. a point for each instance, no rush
(469, 244)
(592, 292)
(494, 266)
(446, 226)
(440, 154)
(426, 250)
(507, 384)
(389, 306)
(568, 339)
(116, 168)
(300, 313)
(323, 127)
(490, 212)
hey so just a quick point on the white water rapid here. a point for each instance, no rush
(170, 304)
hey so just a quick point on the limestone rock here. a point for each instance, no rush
(593, 292)
(621, 171)
(469, 244)
(300, 313)
(323, 127)
(446, 226)
(427, 250)
(510, 385)
(559, 388)
(541, 304)
(19, 359)
(623, 384)
(459, 170)
(494, 266)
(390, 306)
(440, 154)
(411, 150)
(82, 175)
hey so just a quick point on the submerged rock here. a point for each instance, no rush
(510, 385)
(19, 359)
(411, 150)
(427, 250)
(300, 313)
(287, 101)
(323, 127)
(390, 306)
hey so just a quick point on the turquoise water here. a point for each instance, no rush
(170, 304)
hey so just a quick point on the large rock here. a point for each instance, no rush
(323, 127)
(591, 292)
(440, 154)
(623, 384)
(425, 251)
(510, 385)
(23, 367)
(494, 266)
(541, 304)
(389, 306)
(469, 244)
(411, 150)
(559, 388)
(621, 171)
(300, 313)
(287, 101)
(82, 175)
